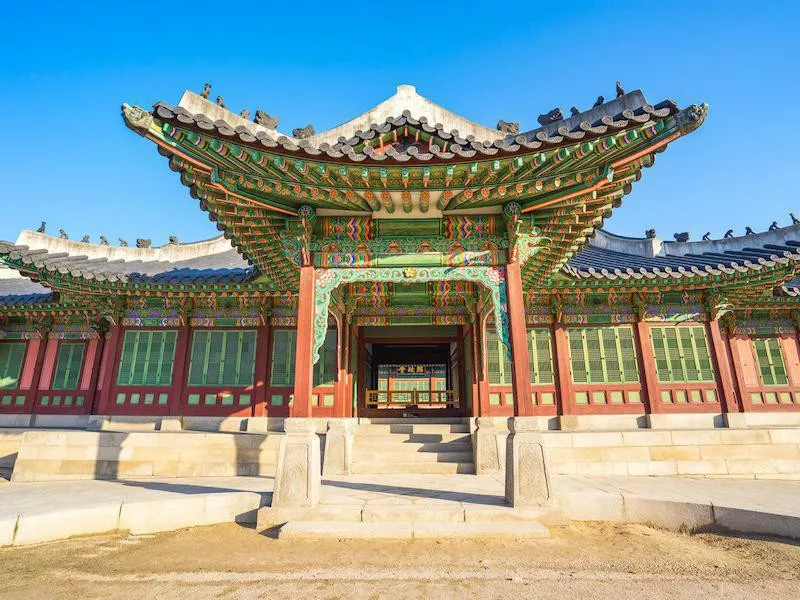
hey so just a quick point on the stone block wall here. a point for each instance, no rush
(751, 453)
(10, 441)
(60, 455)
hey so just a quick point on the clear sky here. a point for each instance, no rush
(65, 68)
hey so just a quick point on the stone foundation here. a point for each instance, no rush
(58, 455)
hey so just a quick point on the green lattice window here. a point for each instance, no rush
(603, 355)
(540, 354)
(497, 362)
(11, 357)
(147, 358)
(325, 369)
(222, 358)
(682, 354)
(540, 357)
(283, 363)
(771, 366)
(68, 366)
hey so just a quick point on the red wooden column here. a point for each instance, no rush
(303, 373)
(735, 346)
(483, 372)
(566, 397)
(724, 371)
(342, 359)
(108, 366)
(261, 372)
(180, 369)
(520, 369)
(30, 378)
(94, 376)
(476, 369)
(648, 362)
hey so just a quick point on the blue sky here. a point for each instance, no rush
(65, 68)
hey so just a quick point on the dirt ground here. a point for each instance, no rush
(229, 561)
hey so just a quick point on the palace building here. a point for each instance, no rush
(412, 264)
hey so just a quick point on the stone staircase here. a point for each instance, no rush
(417, 446)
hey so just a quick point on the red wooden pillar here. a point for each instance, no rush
(342, 357)
(108, 366)
(476, 362)
(261, 372)
(483, 372)
(179, 369)
(734, 345)
(303, 373)
(566, 397)
(520, 369)
(724, 371)
(648, 361)
(94, 378)
(31, 380)
(352, 337)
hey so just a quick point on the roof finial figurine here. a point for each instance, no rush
(142, 243)
(245, 114)
(85, 240)
(63, 234)
(599, 102)
(681, 237)
(795, 220)
(173, 240)
(266, 120)
(774, 226)
(749, 231)
(729, 234)
(206, 91)
(220, 101)
(123, 243)
(42, 227)
(620, 90)
(508, 127)
(551, 117)
(574, 110)
(707, 236)
(103, 240)
(302, 133)
(650, 234)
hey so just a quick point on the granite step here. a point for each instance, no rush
(425, 428)
(376, 467)
(382, 445)
(315, 530)
(412, 438)
(416, 457)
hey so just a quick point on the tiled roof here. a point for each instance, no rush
(221, 267)
(614, 257)
(21, 290)
(629, 110)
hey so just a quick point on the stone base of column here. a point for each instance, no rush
(486, 447)
(527, 477)
(297, 477)
(338, 447)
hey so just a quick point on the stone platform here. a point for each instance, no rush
(387, 506)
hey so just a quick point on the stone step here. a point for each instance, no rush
(315, 530)
(414, 428)
(380, 446)
(373, 467)
(414, 421)
(423, 457)
(412, 438)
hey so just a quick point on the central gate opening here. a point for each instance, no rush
(412, 378)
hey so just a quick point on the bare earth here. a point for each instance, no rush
(229, 561)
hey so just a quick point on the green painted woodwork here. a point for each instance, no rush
(147, 358)
(409, 228)
(68, 366)
(284, 346)
(325, 367)
(11, 357)
(498, 363)
(603, 355)
(771, 366)
(540, 353)
(223, 358)
(681, 354)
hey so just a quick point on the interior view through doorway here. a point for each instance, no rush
(413, 376)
